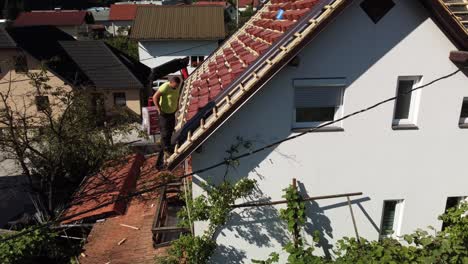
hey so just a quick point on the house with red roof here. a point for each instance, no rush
(244, 4)
(294, 80)
(73, 22)
(121, 18)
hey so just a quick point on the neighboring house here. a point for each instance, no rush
(243, 4)
(228, 8)
(90, 65)
(16, 62)
(101, 20)
(172, 32)
(110, 77)
(274, 79)
(73, 22)
(121, 18)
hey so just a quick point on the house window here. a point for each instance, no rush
(406, 103)
(120, 99)
(392, 217)
(317, 101)
(453, 202)
(464, 114)
(377, 9)
(42, 102)
(21, 64)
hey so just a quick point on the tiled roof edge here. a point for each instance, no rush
(313, 23)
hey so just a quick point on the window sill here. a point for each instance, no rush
(405, 127)
(323, 129)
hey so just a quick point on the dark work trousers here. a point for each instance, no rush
(166, 125)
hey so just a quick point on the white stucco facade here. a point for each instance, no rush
(155, 53)
(423, 167)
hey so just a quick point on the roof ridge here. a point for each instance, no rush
(210, 96)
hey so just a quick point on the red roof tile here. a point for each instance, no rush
(244, 49)
(244, 63)
(123, 12)
(53, 18)
(117, 179)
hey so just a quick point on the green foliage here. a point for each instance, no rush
(124, 44)
(63, 141)
(214, 207)
(39, 246)
(189, 249)
(273, 258)
(294, 214)
(446, 247)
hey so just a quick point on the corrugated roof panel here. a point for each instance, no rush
(101, 65)
(179, 22)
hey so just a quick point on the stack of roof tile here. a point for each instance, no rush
(243, 50)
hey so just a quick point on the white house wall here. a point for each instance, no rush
(155, 53)
(422, 166)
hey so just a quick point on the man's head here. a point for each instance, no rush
(174, 82)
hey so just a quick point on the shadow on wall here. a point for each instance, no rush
(355, 44)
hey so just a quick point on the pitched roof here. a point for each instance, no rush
(100, 13)
(53, 18)
(122, 12)
(179, 22)
(243, 64)
(42, 43)
(100, 64)
(102, 244)
(452, 16)
(116, 179)
(6, 42)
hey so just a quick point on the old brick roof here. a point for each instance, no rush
(117, 179)
(122, 12)
(189, 22)
(53, 18)
(102, 242)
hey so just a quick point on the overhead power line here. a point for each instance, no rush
(226, 162)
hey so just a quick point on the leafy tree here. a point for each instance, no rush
(57, 136)
(38, 246)
(124, 44)
(214, 207)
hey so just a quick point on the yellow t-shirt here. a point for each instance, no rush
(169, 100)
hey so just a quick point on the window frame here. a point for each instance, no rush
(339, 110)
(21, 69)
(411, 121)
(463, 121)
(397, 220)
(46, 102)
(114, 94)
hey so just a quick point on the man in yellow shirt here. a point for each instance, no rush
(166, 100)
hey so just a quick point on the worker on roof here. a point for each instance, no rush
(166, 100)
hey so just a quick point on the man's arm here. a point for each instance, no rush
(156, 98)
